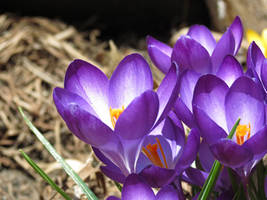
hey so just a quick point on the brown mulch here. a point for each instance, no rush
(34, 55)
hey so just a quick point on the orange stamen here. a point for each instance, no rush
(114, 114)
(241, 132)
(152, 154)
(162, 153)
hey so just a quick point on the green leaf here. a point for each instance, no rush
(118, 185)
(214, 172)
(76, 178)
(44, 175)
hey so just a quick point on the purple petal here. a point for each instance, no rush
(230, 70)
(183, 113)
(189, 54)
(135, 188)
(264, 73)
(173, 129)
(110, 169)
(245, 101)
(210, 131)
(188, 82)
(113, 198)
(209, 96)
(115, 175)
(237, 30)
(134, 123)
(255, 58)
(167, 93)
(231, 154)
(205, 156)
(159, 53)
(138, 118)
(91, 84)
(258, 143)
(225, 46)
(195, 176)
(189, 152)
(76, 113)
(167, 192)
(131, 78)
(157, 176)
(203, 36)
(63, 98)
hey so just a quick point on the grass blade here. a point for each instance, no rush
(214, 172)
(44, 175)
(76, 178)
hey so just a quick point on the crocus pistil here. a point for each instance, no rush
(241, 132)
(151, 151)
(114, 114)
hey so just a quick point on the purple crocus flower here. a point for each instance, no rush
(197, 54)
(114, 115)
(135, 188)
(257, 65)
(165, 154)
(217, 107)
(197, 50)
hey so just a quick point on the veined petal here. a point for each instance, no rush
(237, 30)
(188, 82)
(203, 36)
(110, 169)
(245, 101)
(224, 47)
(131, 78)
(183, 113)
(135, 188)
(189, 54)
(255, 58)
(230, 70)
(189, 152)
(76, 113)
(230, 153)
(138, 118)
(209, 130)
(209, 95)
(134, 123)
(91, 84)
(159, 53)
(253, 36)
(167, 93)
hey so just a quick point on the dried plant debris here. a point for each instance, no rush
(34, 55)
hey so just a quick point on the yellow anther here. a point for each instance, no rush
(114, 114)
(241, 132)
(152, 154)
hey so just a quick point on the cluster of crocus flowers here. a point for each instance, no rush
(138, 133)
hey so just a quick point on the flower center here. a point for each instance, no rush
(152, 154)
(114, 114)
(241, 132)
